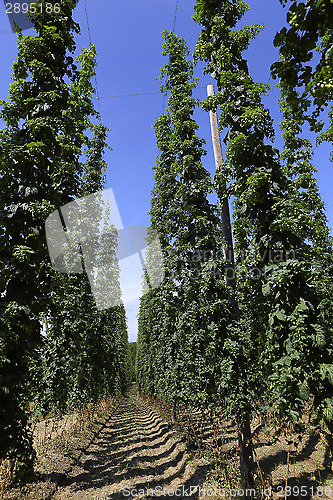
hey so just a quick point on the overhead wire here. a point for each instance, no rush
(126, 95)
(173, 30)
(96, 84)
(133, 94)
(90, 42)
(175, 18)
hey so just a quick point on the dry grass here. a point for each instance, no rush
(59, 442)
(99, 448)
(6, 474)
(61, 433)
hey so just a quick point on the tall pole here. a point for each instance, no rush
(245, 446)
(228, 248)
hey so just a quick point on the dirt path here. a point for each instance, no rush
(134, 452)
(130, 451)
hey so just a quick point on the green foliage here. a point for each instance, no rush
(48, 119)
(133, 351)
(305, 92)
(194, 346)
(305, 66)
(182, 323)
(40, 169)
(86, 350)
(280, 301)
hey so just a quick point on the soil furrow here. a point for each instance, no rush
(136, 453)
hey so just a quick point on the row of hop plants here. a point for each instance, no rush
(267, 342)
(51, 153)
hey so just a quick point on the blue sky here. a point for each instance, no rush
(127, 35)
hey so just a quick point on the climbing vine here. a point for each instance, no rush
(49, 123)
(278, 297)
(182, 323)
(305, 94)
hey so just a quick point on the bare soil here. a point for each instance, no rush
(132, 451)
(136, 450)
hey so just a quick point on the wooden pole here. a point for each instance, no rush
(243, 421)
(228, 248)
